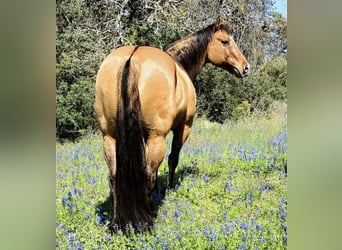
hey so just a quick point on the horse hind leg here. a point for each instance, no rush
(155, 151)
(110, 157)
(180, 135)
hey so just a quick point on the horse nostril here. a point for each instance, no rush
(246, 68)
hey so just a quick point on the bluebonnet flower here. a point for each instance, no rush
(176, 213)
(205, 179)
(228, 186)
(100, 219)
(79, 246)
(242, 247)
(165, 246)
(71, 238)
(230, 228)
(107, 238)
(285, 240)
(86, 217)
(283, 200)
(206, 233)
(71, 206)
(243, 226)
(258, 227)
(261, 239)
(266, 187)
(57, 243)
(177, 234)
(282, 214)
(64, 201)
(285, 227)
(69, 194)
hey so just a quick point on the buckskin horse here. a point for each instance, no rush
(143, 93)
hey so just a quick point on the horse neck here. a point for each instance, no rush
(191, 51)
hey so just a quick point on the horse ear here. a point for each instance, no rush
(217, 23)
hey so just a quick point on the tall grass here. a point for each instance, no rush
(230, 191)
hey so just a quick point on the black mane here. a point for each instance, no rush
(191, 51)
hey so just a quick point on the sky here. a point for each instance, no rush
(281, 6)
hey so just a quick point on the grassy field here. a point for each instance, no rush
(230, 192)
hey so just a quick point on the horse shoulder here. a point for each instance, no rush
(185, 93)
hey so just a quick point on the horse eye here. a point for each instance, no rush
(225, 42)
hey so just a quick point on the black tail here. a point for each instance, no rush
(133, 206)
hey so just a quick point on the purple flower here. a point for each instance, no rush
(64, 201)
(243, 226)
(285, 240)
(283, 200)
(258, 227)
(79, 246)
(71, 238)
(177, 234)
(100, 219)
(228, 186)
(261, 239)
(229, 228)
(176, 214)
(205, 179)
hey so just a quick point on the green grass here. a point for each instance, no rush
(230, 191)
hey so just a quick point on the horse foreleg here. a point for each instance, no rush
(110, 157)
(155, 151)
(180, 135)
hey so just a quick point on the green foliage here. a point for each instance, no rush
(242, 110)
(230, 191)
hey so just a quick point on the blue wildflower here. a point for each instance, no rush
(205, 179)
(64, 201)
(285, 240)
(57, 243)
(176, 214)
(282, 214)
(243, 226)
(258, 227)
(69, 194)
(261, 239)
(86, 217)
(283, 200)
(100, 219)
(71, 238)
(106, 238)
(258, 210)
(79, 246)
(228, 186)
(177, 234)
(229, 227)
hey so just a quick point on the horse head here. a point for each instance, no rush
(223, 52)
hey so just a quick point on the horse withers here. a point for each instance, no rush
(143, 93)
